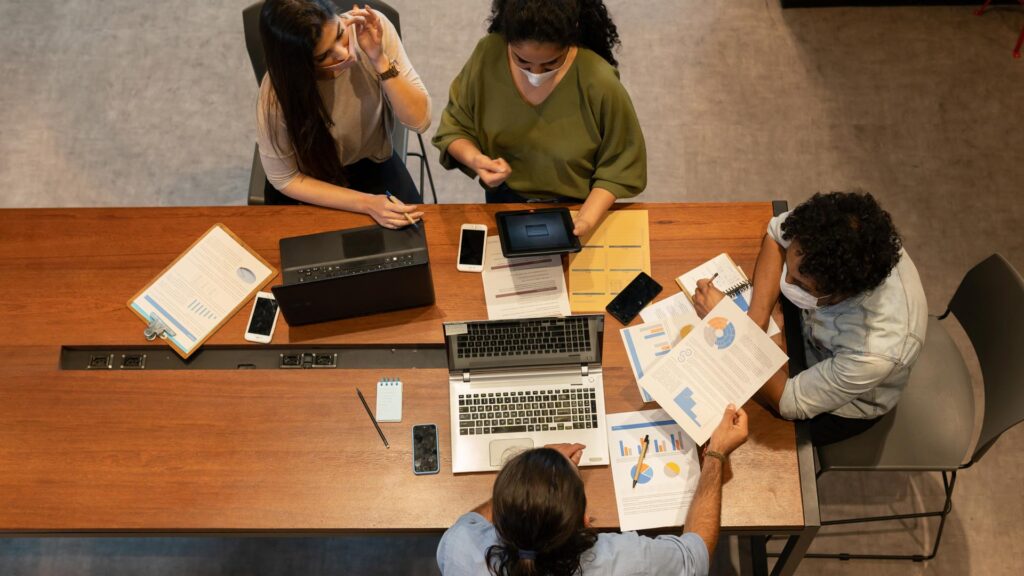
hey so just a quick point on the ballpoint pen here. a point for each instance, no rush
(372, 419)
(406, 214)
(640, 463)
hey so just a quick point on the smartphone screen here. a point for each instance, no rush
(628, 303)
(471, 247)
(424, 449)
(263, 316)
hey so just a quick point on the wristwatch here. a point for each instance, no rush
(391, 72)
(715, 454)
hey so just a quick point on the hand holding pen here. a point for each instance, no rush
(403, 209)
(389, 212)
(707, 296)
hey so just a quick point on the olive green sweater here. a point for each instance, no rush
(585, 135)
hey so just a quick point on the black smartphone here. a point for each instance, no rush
(628, 303)
(424, 449)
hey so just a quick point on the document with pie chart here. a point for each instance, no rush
(668, 475)
(722, 361)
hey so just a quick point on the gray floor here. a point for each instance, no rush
(117, 103)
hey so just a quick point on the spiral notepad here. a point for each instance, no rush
(730, 280)
(389, 400)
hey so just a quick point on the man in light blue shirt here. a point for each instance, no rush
(839, 258)
(537, 520)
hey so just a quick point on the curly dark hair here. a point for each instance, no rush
(849, 243)
(539, 505)
(563, 22)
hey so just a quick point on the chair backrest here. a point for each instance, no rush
(989, 304)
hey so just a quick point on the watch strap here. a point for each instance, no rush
(391, 72)
(715, 454)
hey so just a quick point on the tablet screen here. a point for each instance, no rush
(537, 231)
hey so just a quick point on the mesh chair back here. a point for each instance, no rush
(989, 304)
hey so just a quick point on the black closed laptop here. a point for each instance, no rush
(353, 272)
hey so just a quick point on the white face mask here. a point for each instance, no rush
(537, 79)
(336, 69)
(797, 295)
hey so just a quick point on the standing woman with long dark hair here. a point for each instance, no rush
(538, 112)
(324, 116)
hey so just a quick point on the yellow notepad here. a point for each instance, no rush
(612, 255)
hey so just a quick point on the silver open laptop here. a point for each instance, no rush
(520, 384)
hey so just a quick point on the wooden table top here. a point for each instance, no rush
(279, 451)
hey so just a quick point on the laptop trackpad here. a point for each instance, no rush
(504, 450)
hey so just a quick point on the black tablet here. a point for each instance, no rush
(536, 232)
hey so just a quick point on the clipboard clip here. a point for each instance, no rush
(156, 328)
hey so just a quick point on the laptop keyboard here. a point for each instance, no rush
(527, 411)
(524, 338)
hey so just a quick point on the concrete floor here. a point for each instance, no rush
(114, 103)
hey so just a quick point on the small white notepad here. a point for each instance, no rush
(389, 400)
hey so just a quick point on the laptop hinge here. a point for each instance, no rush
(465, 375)
(584, 370)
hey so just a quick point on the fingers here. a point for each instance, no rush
(740, 419)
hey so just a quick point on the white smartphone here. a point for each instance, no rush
(472, 242)
(262, 319)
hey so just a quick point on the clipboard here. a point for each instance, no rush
(204, 287)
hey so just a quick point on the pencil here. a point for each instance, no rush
(372, 419)
(406, 214)
(640, 463)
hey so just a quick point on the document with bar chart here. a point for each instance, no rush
(668, 475)
(724, 360)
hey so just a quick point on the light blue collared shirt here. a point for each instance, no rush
(860, 350)
(463, 552)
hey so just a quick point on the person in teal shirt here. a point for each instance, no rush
(538, 112)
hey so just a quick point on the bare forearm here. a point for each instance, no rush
(411, 105)
(597, 203)
(705, 515)
(312, 191)
(771, 393)
(464, 151)
(767, 271)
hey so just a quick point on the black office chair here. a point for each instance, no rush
(260, 190)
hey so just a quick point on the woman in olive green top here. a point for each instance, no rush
(538, 112)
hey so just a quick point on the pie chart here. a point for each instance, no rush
(646, 474)
(672, 470)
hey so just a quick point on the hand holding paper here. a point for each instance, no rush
(723, 361)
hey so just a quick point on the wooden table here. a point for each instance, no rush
(206, 451)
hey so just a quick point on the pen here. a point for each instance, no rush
(406, 214)
(640, 463)
(372, 419)
(713, 276)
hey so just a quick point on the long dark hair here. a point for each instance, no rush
(290, 31)
(564, 22)
(539, 507)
